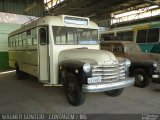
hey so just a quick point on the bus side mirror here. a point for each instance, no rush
(43, 35)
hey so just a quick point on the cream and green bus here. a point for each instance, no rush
(64, 50)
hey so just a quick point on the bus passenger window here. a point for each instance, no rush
(16, 41)
(9, 42)
(43, 36)
(72, 36)
(29, 40)
(20, 39)
(34, 36)
(24, 37)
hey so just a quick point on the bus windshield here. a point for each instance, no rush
(75, 36)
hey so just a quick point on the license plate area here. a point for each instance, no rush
(94, 80)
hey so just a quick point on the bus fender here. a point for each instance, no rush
(75, 67)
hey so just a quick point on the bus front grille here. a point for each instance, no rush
(158, 67)
(109, 73)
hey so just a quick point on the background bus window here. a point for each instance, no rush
(107, 36)
(29, 40)
(120, 35)
(141, 36)
(128, 35)
(34, 36)
(153, 35)
(118, 49)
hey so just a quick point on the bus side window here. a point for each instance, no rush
(16, 41)
(13, 41)
(29, 40)
(24, 34)
(34, 36)
(43, 35)
(20, 39)
(9, 41)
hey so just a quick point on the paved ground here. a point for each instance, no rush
(29, 96)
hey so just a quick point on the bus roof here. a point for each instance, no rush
(55, 21)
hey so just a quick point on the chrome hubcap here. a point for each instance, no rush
(140, 77)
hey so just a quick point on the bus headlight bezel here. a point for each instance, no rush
(128, 63)
(87, 67)
(155, 65)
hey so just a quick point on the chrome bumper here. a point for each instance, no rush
(155, 76)
(100, 87)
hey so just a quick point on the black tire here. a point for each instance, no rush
(73, 90)
(20, 74)
(141, 78)
(114, 93)
(157, 81)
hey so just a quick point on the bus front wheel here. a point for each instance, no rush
(73, 90)
(20, 74)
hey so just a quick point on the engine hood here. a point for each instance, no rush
(145, 56)
(81, 54)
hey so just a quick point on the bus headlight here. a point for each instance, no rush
(155, 65)
(86, 67)
(128, 62)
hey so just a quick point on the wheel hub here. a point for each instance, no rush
(140, 77)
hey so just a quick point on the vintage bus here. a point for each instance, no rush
(147, 35)
(64, 50)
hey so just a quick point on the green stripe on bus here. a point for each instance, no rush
(155, 25)
(3, 60)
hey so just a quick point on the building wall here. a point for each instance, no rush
(23, 7)
(5, 29)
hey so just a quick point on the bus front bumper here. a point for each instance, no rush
(100, 87)
(156, 76)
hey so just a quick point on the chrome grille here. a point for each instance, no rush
(109, 72)
(159, 67)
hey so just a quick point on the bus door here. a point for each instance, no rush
(43, 54)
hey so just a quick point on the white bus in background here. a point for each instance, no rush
(64, 50)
